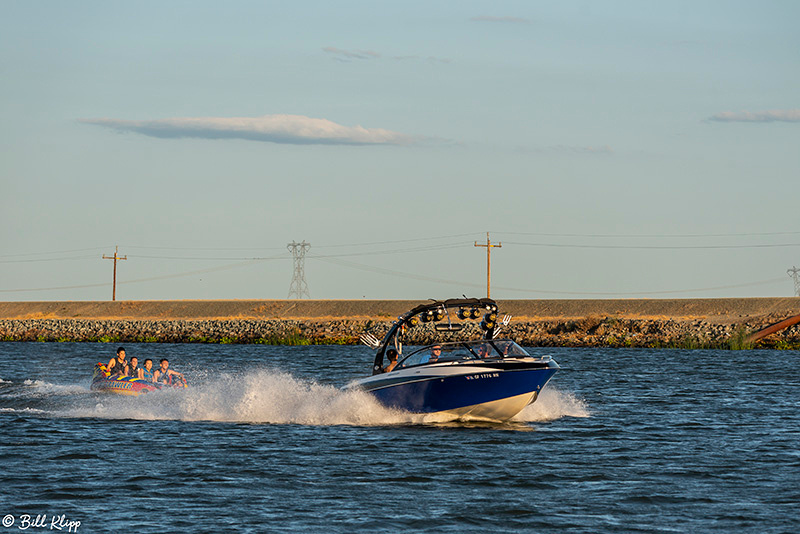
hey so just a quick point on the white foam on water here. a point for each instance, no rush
(275, 397)
(40, 388)
(21, 410)
(257, 397)
(553, 404)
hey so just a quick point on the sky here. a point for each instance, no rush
(627, 149)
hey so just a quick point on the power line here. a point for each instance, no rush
(93, 249)
(244, 258)
(391, 272)
(340, 255)
(240, 262)
(40, 260)
(203, 248)
(649, 236)
(27, 290)
(396, 251)
(397, 241)
(139, 280)
(228, 249)
(338, 258)
(373, 243)
(646, 293)
(423, 278)
(655, 247)
(369, 243)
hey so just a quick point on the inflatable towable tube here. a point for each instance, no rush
(102, 381)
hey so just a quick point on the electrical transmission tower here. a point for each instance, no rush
(794, 272)
(298, 288)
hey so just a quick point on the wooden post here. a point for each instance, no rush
(489, 246)
(115, 257)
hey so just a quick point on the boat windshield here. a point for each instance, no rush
(467, 350)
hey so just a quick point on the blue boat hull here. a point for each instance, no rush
(457, 393)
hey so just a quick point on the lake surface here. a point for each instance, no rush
(264, 441)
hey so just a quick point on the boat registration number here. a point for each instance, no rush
(483, 375)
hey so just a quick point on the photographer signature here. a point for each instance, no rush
(27, 521)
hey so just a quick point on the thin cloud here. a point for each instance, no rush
(599, 150)
(285, 129)
(347, 55)
(602, 149)
(431, 59)
(506, 20)
(775, 115)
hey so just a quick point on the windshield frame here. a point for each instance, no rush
(461, 351)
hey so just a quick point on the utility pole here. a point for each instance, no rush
(489, 245)
(794, 272)
(298, 287)
(115, 257)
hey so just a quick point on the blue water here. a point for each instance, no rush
(264, 441)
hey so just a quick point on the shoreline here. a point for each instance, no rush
(677, 323)
(725, 310)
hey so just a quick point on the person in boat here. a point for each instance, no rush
(391, 354)
(164, 374)
(133, 367)
(117, 366)
(146, 371)
(433, 357)
(483, 351)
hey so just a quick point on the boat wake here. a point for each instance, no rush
(38, 389)
(37, 396)
(260, 396)
(553, 404)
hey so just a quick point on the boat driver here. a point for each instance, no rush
(117, 365)
(433, 357)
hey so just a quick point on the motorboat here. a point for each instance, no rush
(103, 382)
(485, 378)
